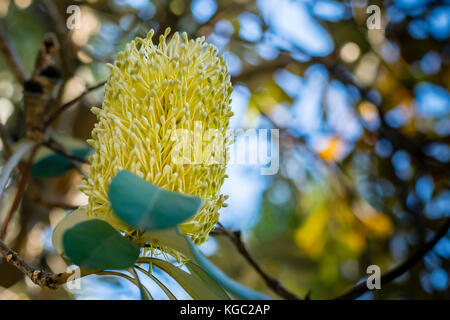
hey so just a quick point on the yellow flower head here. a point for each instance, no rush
(154, 91)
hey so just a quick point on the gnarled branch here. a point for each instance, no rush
(362, 288)
(40, 277)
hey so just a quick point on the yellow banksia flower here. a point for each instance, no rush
(152, 91)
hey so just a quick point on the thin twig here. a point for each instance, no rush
(362, 288)
(67, 105)
(12, 57)
(19, 193)
(47, 279)
(271, 282)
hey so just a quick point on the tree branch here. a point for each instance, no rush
(271, 282)
(362, 288)
(40, 277)
(12, 57)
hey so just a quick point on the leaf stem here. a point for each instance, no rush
(23, 182)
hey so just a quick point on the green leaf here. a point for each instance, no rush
(145, 206)
(69, 220)
(229, 284)
(94, 244)
(207, 279)
(196, 288)
(56, 164)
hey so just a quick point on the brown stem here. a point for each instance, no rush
(47, 279)
(67, 105)
(362, 288)
(58, 149)
(5, 140)
(53, 204)
(271, 282)
(40, 277)
(19, 193)
(12, 57)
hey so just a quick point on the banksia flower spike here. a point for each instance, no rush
(153, 93)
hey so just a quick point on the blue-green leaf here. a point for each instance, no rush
(56, 164)
(145, 206)
(229, 284)
(95, 244)
(166, 290)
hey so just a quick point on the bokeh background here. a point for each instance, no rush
(364, 126)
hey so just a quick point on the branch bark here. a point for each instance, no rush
(23, 182)
(362, 288)
(271, 282)
(5, 140)
(12, 57)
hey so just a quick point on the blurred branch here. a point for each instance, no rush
(57, 148)
(67, 105)
(12, 163)
(40, 277)
(269, 66)
(56, 14)
(53, 204)
(19, 193)
(271, 282)
(12, 57)
(362, 288)
(135, 280)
